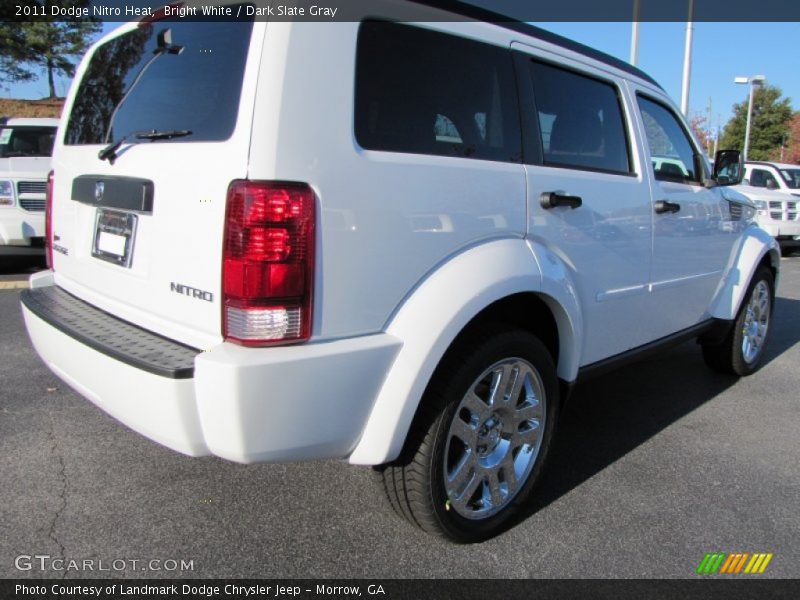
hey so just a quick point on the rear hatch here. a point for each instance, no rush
(138, 226)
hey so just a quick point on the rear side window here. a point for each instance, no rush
(580, 120)
(425, 92)
(194, 87)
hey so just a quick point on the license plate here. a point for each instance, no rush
(114, 234)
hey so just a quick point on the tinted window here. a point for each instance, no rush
(26, 141)
(197, 89)
(671, 152)
(791, 177)
(580, 120)
(762, 178)
(430, 93)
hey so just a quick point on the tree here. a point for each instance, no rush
(769, 123)
(12, 45)
(699, 125)
(789, 152)
(45, 43)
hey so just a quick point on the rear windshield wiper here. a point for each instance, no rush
(110, 152)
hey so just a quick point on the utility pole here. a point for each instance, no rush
(687, 61)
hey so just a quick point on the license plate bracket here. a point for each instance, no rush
(114, 236)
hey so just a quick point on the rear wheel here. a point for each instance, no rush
(742, 350)
(478, 442)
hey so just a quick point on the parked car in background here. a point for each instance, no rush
(775, 190)
(26, 145)
(297, 241)
(773, 176)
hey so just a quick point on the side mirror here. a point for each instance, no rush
(772, 184)
(728, 167)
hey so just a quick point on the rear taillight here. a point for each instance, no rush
(48, 221)
(268, 263)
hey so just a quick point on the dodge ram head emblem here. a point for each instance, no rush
(99, 189)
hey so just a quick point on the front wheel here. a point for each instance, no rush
(480, 437)
(742, 350)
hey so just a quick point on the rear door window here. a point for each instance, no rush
(580, 120)
(425, 92)
(135, 84)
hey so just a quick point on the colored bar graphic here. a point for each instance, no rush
(732, 563)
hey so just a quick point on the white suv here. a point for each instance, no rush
(775, 190)
(306, 240)
(25, 149)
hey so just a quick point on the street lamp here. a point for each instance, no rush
(753, 81)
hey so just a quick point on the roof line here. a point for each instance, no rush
(483, 14)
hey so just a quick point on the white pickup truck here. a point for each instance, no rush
(26, 146)
(775, 190)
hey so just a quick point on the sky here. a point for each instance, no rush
(721, 51)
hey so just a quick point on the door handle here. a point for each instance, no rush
(665, 206)
(553, 199)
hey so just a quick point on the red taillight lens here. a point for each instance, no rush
(268, 262)
(48, 221)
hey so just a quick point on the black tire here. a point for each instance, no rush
(729, 356)
(415, 483)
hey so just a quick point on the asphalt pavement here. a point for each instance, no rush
(653, 466)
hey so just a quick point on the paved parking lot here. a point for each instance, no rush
(653, 466)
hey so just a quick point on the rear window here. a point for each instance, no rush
(425, 92)
(26, 141)
(189, 80)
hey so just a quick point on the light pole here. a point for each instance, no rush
(687, 61)
(753, 81)
(635, 34)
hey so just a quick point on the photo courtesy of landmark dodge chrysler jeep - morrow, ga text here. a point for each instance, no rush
(25, 149)
(301, 240)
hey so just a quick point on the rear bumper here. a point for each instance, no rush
(243, 404)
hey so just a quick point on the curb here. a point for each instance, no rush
(13, 285)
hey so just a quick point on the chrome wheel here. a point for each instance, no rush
(494, 439)
(756, 322)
